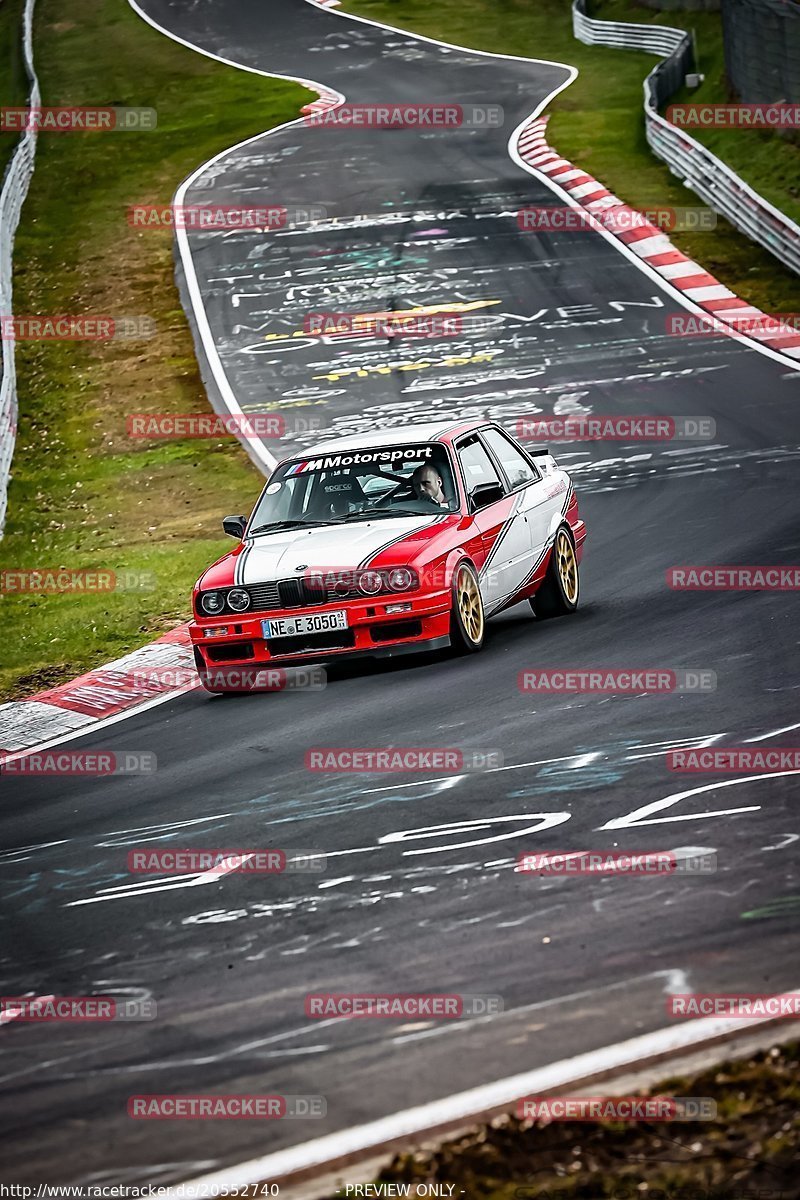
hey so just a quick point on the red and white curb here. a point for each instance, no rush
(653, 247)
(326, 100)
(145, 677)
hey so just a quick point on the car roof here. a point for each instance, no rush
(429, 431)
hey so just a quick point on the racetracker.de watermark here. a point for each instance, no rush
(735, 760)
(262, 679)
(213, 425)
(54, 581)
(759, 325)
(616, 1108)
(610, 428)
(401, 1005)
(113, 119)
(70, 327)
(385, 324)
(74, 1009)
(614, 862)
(555, 218)
(265, 679)
(437, 115)
(252, 861)
(734, 116)
(617, 679)
(749, 1006)
(401, 758)
(78, 762)
(210, 217)
(727, 578)
(224, 1108)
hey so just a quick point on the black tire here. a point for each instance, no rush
(560, 591)
(467, 618)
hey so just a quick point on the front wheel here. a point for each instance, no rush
(467, 621)
(560, 590)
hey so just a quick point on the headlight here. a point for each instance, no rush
(238, 599)
(370, 583)
(212, 602)
(401, 579)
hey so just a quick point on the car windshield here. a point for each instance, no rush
(357, 485)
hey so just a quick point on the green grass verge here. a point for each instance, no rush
(83, 495)
(598, 123)
(767, 161)
(750, 1151)
(14, 88)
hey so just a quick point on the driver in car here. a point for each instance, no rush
(427, 484)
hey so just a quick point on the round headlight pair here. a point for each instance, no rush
(399, 579)
(213, 603)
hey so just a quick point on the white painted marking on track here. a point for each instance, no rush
(125, 891)
(412, 1123)
(637, 817)
(762, 737)
(788, 840)
(547, 821)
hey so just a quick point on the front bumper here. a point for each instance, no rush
(372, 632)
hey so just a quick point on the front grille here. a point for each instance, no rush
(304, 643)
(264, 596)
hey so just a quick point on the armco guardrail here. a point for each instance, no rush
(14, 190)
(699, 169)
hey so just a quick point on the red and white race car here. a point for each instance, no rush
(384, 544)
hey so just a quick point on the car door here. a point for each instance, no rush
(500, 538)
(525, 480)
(533, 510)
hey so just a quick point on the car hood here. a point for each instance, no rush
(282, 555)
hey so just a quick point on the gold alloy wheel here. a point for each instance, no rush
(469, 605)
(567, 566)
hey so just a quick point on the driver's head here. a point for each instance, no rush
(427, 484)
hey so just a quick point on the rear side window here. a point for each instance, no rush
(515, 465)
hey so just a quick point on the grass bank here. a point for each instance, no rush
(83, 495)
(750, 1150)
(15, 85)
(770, 163)
(598, 124)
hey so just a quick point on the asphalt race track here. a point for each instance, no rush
(420, 894)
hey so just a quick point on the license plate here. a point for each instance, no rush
(317, 623)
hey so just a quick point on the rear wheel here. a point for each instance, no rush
(560, 591)
(467, 621)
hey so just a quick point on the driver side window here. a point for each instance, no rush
(475, 463)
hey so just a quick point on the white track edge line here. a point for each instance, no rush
(100, 723)
(203, 325)
(414, 1122)
(255, 448)
(642, 264)
(515, 156)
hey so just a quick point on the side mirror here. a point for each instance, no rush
(234, 526)
(484, 494)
